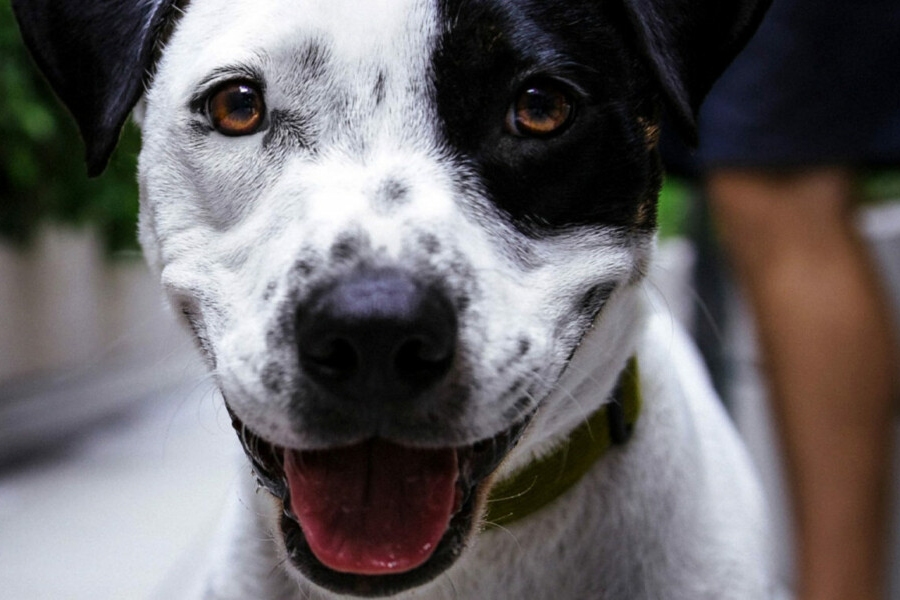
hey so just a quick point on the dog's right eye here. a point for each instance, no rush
(236, 108)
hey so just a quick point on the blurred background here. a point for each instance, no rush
(115, 452)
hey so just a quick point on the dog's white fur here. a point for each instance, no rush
(675, 514)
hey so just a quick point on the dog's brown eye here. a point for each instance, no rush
(541, 110)
(236, 108)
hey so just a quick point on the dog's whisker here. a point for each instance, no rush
(511, 496)
(447, 579)
(654, 294)
(278, 567)
(509, 533)
(587, 376)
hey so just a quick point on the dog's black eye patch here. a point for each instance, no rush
(236, 108)
(542, 108)
(549, 103)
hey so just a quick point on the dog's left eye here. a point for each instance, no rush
(541, 109)
(236, 108)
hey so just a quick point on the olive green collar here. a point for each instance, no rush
(542, 481)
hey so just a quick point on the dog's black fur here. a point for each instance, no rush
(98, 55)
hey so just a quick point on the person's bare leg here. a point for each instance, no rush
(828, 353)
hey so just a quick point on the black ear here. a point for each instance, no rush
(690, 43)
(96, 55)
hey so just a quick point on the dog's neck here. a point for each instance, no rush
(585, 389)
(589, 378)
(547, 478)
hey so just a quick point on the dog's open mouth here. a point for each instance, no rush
(377, 517)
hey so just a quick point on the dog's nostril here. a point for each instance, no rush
(421, 359)
(334, 358)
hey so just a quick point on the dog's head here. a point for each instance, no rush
(389, 225)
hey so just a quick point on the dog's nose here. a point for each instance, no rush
(377, 335)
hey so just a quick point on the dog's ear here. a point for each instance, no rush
(95, 55)
(689, 43)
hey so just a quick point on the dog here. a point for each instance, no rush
(410, 238)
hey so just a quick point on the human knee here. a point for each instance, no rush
(760, 214)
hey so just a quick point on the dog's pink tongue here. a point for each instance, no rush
(374, 508)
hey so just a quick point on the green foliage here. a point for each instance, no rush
(675, 200)
(881, 186)
(42, 170)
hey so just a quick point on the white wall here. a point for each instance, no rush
(63, 303)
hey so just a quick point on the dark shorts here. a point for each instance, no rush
(818, 85)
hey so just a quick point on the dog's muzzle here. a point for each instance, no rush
(378, 516)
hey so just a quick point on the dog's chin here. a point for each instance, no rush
(358, 556)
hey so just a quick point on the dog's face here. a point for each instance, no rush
(392, 161)
(389, 226)
(394, 224)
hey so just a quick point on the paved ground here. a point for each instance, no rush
(110, 515)
(116, 510)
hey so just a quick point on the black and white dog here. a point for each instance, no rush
(410, 237)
